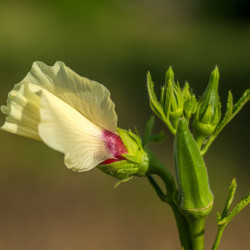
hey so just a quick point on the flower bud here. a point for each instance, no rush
(190, 107)
(175, 98)
(169, 75)
(194, 195)
(186, 94)
(209, 111)
(190, 104)
(130, 163)
(166, 90)
(176, 108)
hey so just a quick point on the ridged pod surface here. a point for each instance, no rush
(194, 194)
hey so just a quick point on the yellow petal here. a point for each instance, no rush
(22, 112)
(66, 130)
(88, 97)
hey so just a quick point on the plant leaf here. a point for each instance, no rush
(122, 181)
(228, 115)
(154, 104)
(162, 95)
(239, 207)
(148, 130)
(157, 137)
(137, 131)
(169, 95)
(242, 101)
(230, 198)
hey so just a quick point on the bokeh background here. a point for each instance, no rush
(45, 206)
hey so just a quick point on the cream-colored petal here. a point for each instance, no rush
(22, 112)
(66, 130)
(88, 97)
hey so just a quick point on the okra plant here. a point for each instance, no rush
(76, 116)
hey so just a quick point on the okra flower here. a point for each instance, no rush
(69, 113)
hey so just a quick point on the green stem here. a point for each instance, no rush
(239, 207)
(182, 226)
(232, 190)
(229, 201)
(199, 140)
(159, 169)
(158, 190)
(225, 218)
(207, 144)
(181, 221)
(196, 227)
(218, 236)
(156, 167)
(169, 125)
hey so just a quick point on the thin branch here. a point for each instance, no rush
(158, 190)
(225, 218)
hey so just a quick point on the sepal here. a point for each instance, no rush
(136, 161)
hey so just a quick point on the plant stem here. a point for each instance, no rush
(225, 218)
(156, 167)
(183, 229)
(218, 236)
(199, 141)
(197, 233)
(169, 125)
(232, 190)
(181, 221)
(239, 207)
(158, 190)
(159, 169)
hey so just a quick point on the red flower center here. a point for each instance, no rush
(115, 146)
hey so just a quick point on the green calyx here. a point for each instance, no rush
(194, 195)
(209, 111)
(135, 162)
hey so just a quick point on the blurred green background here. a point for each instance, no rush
(44, 205)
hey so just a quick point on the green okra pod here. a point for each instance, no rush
(194, 194)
